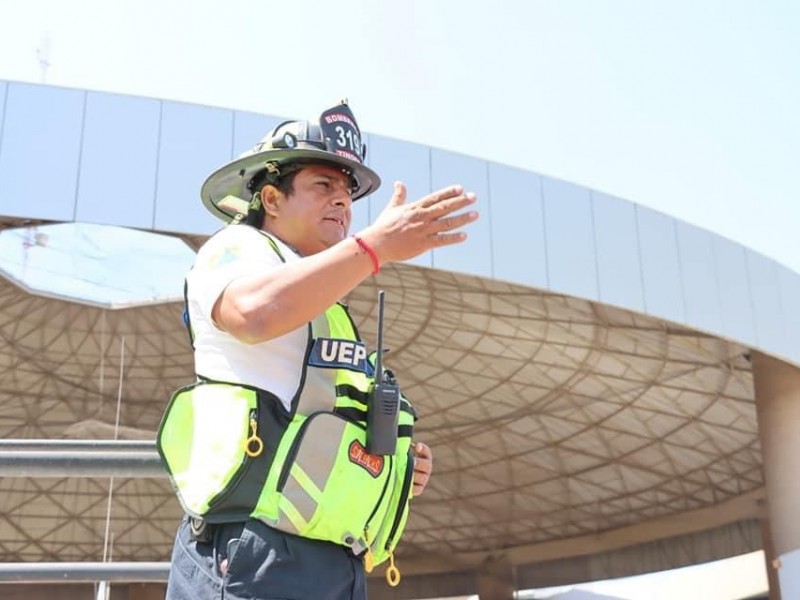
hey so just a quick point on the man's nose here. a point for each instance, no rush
(342, 197)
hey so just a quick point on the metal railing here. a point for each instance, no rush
(84, 572)
(81, 458)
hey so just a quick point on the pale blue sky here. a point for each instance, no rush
(92, 263)
(686, 106)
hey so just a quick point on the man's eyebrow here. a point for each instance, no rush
(329, 177)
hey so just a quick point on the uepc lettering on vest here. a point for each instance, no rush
(309, 473)
(341, 354)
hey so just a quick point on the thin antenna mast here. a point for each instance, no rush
(43, 56)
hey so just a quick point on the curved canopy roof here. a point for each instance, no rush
(557, 424)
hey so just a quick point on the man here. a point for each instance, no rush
(268, 450)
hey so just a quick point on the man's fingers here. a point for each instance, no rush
(443, 235)
(423, 466)
(399, 194)
(422, 450)
(405, 230)
(440, 195)
(424, 459)
(449, 205)
(448, 223)
(448, 239)
(421, 478)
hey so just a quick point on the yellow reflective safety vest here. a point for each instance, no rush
(234, 452)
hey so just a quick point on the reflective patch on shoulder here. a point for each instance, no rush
(224, 257)
(330, 353)
(371, 463)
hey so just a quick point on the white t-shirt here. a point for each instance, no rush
(275, 365)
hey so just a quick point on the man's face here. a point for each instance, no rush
(316, 214)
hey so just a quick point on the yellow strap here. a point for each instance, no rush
(369, 560)
(392, 573)
(253, 446)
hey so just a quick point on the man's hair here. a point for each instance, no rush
(285, 183)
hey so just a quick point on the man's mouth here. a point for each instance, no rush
(338, 220)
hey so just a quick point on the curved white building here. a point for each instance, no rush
(608, 390)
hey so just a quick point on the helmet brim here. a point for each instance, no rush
(224, 186)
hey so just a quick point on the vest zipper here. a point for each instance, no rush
(409, 475)
(243, 469)
(383, 493)
(368, 562)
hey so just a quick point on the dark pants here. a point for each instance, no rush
(262, 564)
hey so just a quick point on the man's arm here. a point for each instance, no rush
(259, 307)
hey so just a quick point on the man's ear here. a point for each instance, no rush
(271, 200)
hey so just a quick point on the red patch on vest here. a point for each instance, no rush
(372, 463)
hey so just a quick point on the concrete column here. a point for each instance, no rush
(495, 579)
(771, 561)
(777, 388)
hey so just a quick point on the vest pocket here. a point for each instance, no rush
(203, 441)
(330, 487)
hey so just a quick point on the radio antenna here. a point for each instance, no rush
(379, 350)
(383, 404)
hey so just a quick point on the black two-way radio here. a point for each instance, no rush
(384, 400)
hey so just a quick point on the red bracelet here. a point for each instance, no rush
(376, 263)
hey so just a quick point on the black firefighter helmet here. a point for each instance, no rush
(334, 140)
